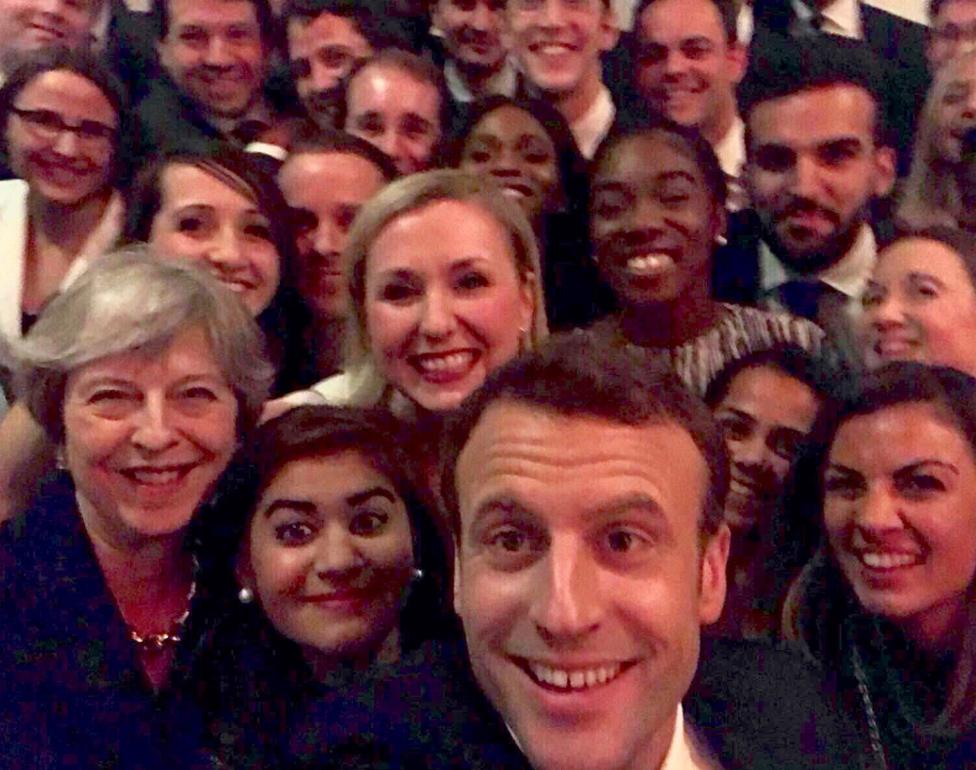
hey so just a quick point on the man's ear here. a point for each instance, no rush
(715, 556)
(738, 58)
(458, 604)
(886, 170)
(609, 28)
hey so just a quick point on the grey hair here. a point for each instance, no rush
(931, 196)
(413, 192)
(129, 301)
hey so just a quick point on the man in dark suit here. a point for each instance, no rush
(816, 165)
(899, 44)
(585, 488)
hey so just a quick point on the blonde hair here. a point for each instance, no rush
(361, 383)
(931, 195)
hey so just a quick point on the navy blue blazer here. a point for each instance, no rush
(757, 708)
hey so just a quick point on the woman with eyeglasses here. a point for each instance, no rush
(63, 118)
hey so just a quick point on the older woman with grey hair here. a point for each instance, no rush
(443, 274)
(147, 375)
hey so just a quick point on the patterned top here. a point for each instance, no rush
(740, 331)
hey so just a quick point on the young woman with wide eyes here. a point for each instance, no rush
(526, 147)
(65, 119)
(890, 605)
(337, 565)
(767, 404)
(920, 304)
(657, 214)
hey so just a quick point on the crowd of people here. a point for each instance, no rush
(544, 384)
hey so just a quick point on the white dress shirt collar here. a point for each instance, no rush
(502, 82)
(841, 17)
(593, 126)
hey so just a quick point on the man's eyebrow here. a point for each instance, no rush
(631, 502)
(503, 504)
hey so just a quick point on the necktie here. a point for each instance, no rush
(804, 298)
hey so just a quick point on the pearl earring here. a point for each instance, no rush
(245, 596)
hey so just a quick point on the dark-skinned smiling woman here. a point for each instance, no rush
(657, 212)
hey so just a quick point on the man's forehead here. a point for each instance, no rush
(187, 12)
(955, 11)
(814, 116)
(511, 432)
(680, 19)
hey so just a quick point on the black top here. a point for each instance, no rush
(74, 693)
(757, 708)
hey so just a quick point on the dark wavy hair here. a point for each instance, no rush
(823, 603)
(86, 65)
(322, 431)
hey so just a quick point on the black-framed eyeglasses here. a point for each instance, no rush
(49, 125)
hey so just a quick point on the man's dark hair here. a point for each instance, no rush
(93, 69)
(789, 66)
(370, 17)
(727, 9)
(314, 140)
(578, 375)
(791, 360)
(262, 11)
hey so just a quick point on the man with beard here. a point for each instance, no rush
(476, 57)
(215, 55)
(326, 40)
(816, 161)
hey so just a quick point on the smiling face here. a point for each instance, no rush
(33, 25)
(920, 305)
(63, 166)
(473, 32)
(581, 580)
(323, 51)
(147, 436)
(653, 220)
(329, 555)
(201, 218)
(765, 415)
(514, 148)
(394, 111)
(956, 111)
(900, 511)
(558, 43)
(686, 67)
(445, 304)
(953, 31)
(325, 191)
(214, 52)
(812, 170)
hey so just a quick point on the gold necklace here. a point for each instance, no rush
(173, 635)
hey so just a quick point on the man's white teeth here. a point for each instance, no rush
(155, 477)
(553, 49)
(878, 560)
(450, 362)
(649, 263)
(577, 679)
(513, 192)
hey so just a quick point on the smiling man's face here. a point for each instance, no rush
(583, 580)
(558, 43)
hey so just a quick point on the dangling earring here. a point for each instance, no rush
(524, 341)
(417, 574)
(245, 596)
(59, 462)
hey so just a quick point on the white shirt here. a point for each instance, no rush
(684, 753)
(502, 82)
(841, 17)
(593, 126)
(849, 275)
(731, 153)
